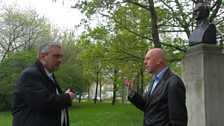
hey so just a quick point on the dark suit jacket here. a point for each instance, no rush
(35, 100)
(166, 105)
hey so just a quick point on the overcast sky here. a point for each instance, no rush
(59, 13)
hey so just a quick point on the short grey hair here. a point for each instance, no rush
(47, 46)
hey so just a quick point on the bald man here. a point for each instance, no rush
(164, 102)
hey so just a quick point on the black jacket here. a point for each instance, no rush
(166, 105)
(35, 101)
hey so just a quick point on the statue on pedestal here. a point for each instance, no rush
(205, 32)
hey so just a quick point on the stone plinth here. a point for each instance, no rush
(203, 76)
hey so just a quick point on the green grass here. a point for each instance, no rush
(5, 119)
(100, 114)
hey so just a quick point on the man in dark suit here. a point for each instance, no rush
(38, 99)
(164, 103)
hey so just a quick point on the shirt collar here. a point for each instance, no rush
(159, 76)
(49, 74)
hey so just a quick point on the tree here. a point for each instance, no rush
(10, 69)
(21, 30)
(70, 77)
(130, 27)
(113, 53)
(70, 74)
(164, 17)
(92, 56)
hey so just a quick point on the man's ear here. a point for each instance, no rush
(159, 60)
(41, 55)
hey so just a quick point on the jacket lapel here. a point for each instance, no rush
(160, 84)
(49, 83)
(56, 84)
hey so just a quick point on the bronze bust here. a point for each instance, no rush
(205, 32)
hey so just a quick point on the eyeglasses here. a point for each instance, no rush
(57, 56)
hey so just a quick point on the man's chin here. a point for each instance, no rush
(55, 69)
(150, 72)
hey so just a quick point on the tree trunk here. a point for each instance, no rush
(80, 97)
(100, 92)
(88, 92)
(95, 98)
(115, 87)
(142, 80)
(137, 84)
(155, 33)
(97, 83)
(123, 91)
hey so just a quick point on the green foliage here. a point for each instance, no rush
(102, 54)
(21, 30)
(10, 69)
(70, 74)
(125, 18)
(92, 55)
(70, 77)
(174, 18)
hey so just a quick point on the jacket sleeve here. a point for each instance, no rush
(39, 97)
(176, 103)
(138, 101)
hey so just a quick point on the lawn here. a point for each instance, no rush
(100, 114)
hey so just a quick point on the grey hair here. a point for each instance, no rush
(47, 46)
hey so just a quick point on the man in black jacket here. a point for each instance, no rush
(38, 99)
(164, 103)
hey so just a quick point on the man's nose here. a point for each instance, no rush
(60, 59)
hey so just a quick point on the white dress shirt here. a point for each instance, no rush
(63, 111)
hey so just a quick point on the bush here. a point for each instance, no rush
(5, 101)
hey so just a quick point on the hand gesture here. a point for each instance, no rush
(71, 94)
(130, 84)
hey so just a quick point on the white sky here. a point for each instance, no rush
(62, 16)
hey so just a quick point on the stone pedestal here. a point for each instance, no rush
(203, 76)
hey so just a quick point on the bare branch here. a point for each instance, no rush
(217, 7)
(137, 4)
(165, 31)
(176, 47)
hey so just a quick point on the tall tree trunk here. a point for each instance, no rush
(88, 92)
(142, 80)
(100, 92)
(155, 33)
(115, 87)
(95, 98)
(7, 51)
(137, 84)
(80, 96)
(97, 83)
(123, 91)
